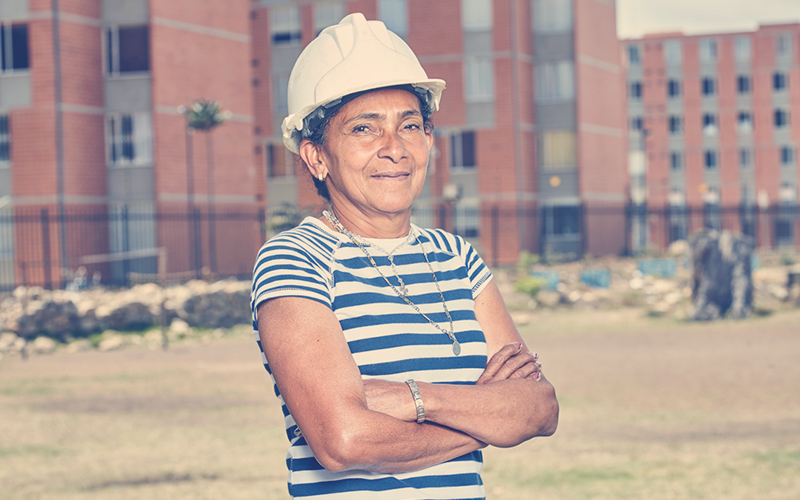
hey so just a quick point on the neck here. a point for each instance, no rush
(384, 226)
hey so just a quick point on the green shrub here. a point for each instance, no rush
(530, 285)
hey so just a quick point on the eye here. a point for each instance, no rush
(412, 126)
(361, 128)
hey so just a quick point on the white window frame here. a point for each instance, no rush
(111, 50)
(478, 79)
(552, 16)
(476, 15)
(140, 139)
(742, 49)
(285, 19)
(457, 150)
(327, 14)
(673, 52)
(280, 152)
(710, 154)
(555, 81)
(280, 92)
(7, 46)
(394, 14)
(744, 122)
(783, 44)
(784, 113)
(709, 50)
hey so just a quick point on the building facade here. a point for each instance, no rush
(90, 130)
(530, 137)
(531, 130)
(711, 131)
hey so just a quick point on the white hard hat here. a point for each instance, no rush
(353, 56)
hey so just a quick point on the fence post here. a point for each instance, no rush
(543, 234)
(495, 235)
(262, 226)
(198, 251)
(583, 245)
(45, 221)
(212, 238)
(126, 245)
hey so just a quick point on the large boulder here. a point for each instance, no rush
(721, 275)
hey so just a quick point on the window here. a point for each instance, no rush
(476, 15)
(128, 139)
(284, 24)
(14, 51)
(279, 161)
(708, 50)
(742, 50)
(555, 81)
(280, 92)
(327, 14)
(635, 90)
(710, 159)
(558, 149)
(673, 88)
(779, 81)
(5, 141)
(675, 161)
(787, 193)
(127, 49)
(781, 118)
(708, 86)
(709, 124)
(552, 16)
(675, 124)
(637, 124)
(672, 52)
(743, 84)
(744, 122)
(745, 158)
(394, 15)
(787, 155)
(462, 150)
(783, 45)
(478, 79)
(634, 57)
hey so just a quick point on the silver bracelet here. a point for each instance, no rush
(417, 400)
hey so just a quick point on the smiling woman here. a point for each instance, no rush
(392, 352)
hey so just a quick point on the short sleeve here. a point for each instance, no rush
(286, 267)
(479, 274)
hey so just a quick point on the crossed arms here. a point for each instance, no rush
(351, 423)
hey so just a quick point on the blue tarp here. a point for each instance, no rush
(598, 278)
(552, 278)
(666, 268)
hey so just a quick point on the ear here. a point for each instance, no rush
(313, 158)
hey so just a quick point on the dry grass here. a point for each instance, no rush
(651, 409)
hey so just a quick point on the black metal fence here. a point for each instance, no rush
(42, 246)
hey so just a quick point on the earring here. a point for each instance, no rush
(321, 177)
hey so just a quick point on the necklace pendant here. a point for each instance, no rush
(456, 348)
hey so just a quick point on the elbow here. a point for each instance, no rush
(338, 452)
(548, 423)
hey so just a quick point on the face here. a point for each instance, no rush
(375, 153)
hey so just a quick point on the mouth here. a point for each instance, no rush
(391, 176)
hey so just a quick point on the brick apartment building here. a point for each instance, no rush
(715, 116)
(532, 127)
(92, 129)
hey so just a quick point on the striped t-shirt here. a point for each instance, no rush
(387, 337)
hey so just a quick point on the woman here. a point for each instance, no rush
(391, 349)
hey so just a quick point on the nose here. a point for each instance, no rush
(393, 146)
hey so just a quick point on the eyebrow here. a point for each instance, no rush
(380, 116)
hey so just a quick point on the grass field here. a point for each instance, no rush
(650, 409)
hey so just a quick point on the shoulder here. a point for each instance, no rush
(444, 241)
(305, 239)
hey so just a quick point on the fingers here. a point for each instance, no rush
(511, 361)
(497, 361)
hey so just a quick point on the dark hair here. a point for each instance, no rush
(315, 125)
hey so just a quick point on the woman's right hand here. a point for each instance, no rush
(511, 361)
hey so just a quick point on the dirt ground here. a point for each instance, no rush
(650, 409)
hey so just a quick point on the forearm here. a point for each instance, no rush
(381, 443)
(503, 413)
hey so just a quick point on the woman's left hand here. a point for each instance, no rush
(512, 361)
(392, 398)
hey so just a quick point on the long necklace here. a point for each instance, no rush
(402, 292)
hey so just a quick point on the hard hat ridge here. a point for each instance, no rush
(351, 57)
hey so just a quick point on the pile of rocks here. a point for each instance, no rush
(33, 312)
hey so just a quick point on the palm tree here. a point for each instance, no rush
(206, 115)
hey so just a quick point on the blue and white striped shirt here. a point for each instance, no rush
(387, 337)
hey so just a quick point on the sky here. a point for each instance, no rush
(638, 17)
